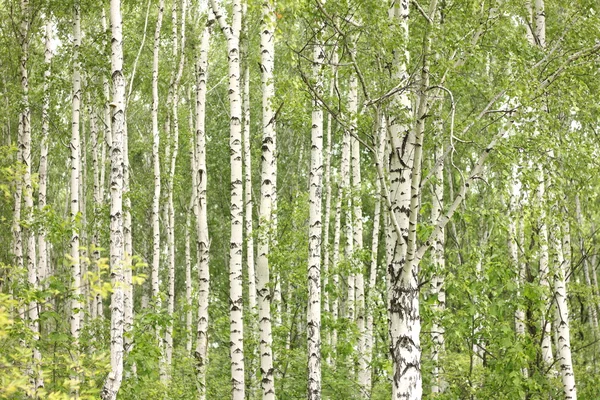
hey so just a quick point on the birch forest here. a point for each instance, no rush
(299, 199)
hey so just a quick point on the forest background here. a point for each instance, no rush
(307, 199)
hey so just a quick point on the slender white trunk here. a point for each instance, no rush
(358, 266)
(156, 162)
(75, 147)
(188, 258)
(540, 23)
(17, 231)
(439, 263)
(200, 209)
(36, 378)
(95, 242)
(405, 180)
(515, 241)
(403, 297)
(347, 198)
(127, 247)
(236, 307)
(83, 238)
(107, 120)
(371, 293)
(513, 247)
(586, 268)
(594, 262)
(248, 195)
(43, 268)
(327, 185)
(170, 205)
(335, 261)
(478, 347)
(115, 376)
(544, 269)
(267, 47)
(562, 261)
(314, 235)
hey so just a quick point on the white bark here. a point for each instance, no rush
(115, 376)
(439, 263)
(200, 209)
(232, 33)
(248, 195)
(43, 267)
(188, 257)
(314, 235)
(36, 378)
(156, 162)
(170, 206)
(75, 146)
(513, 247)
(357, 264)
(97, 204)
(403, 296)
(327, 179)
(337, 227)
(586, 268)
(267, 47)
(347, 198)
(107, 120)
(371, 294)
(515, 241)
(540, 23)
(565, 363)
(544, 269)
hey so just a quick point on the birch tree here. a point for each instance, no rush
(36, 377)
(267, 187)
(115, 377)
(314, 244)
(171, 209)
(75, 146)
(43, 267)
(156, 161)
(200, 210)
(232, 35)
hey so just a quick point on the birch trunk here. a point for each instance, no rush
(267, 50)
(349, 228)
(43, 268)
(515, 241)
(357, 264)
(544, 270)
(337, 227)
(156, 162)
(200, 209)
(75, 146)
(248, 195)
(586, 267)
(371, 294)
(439, 263)
(107, 119)
(115, 376)
(232, 33)
(127, 248)
(188, 257)
(565, 363)
(405, 179)
(403, 296)
(327, 185)
(314, 235)
(170, 205)
(36, 378)
(95, 242)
